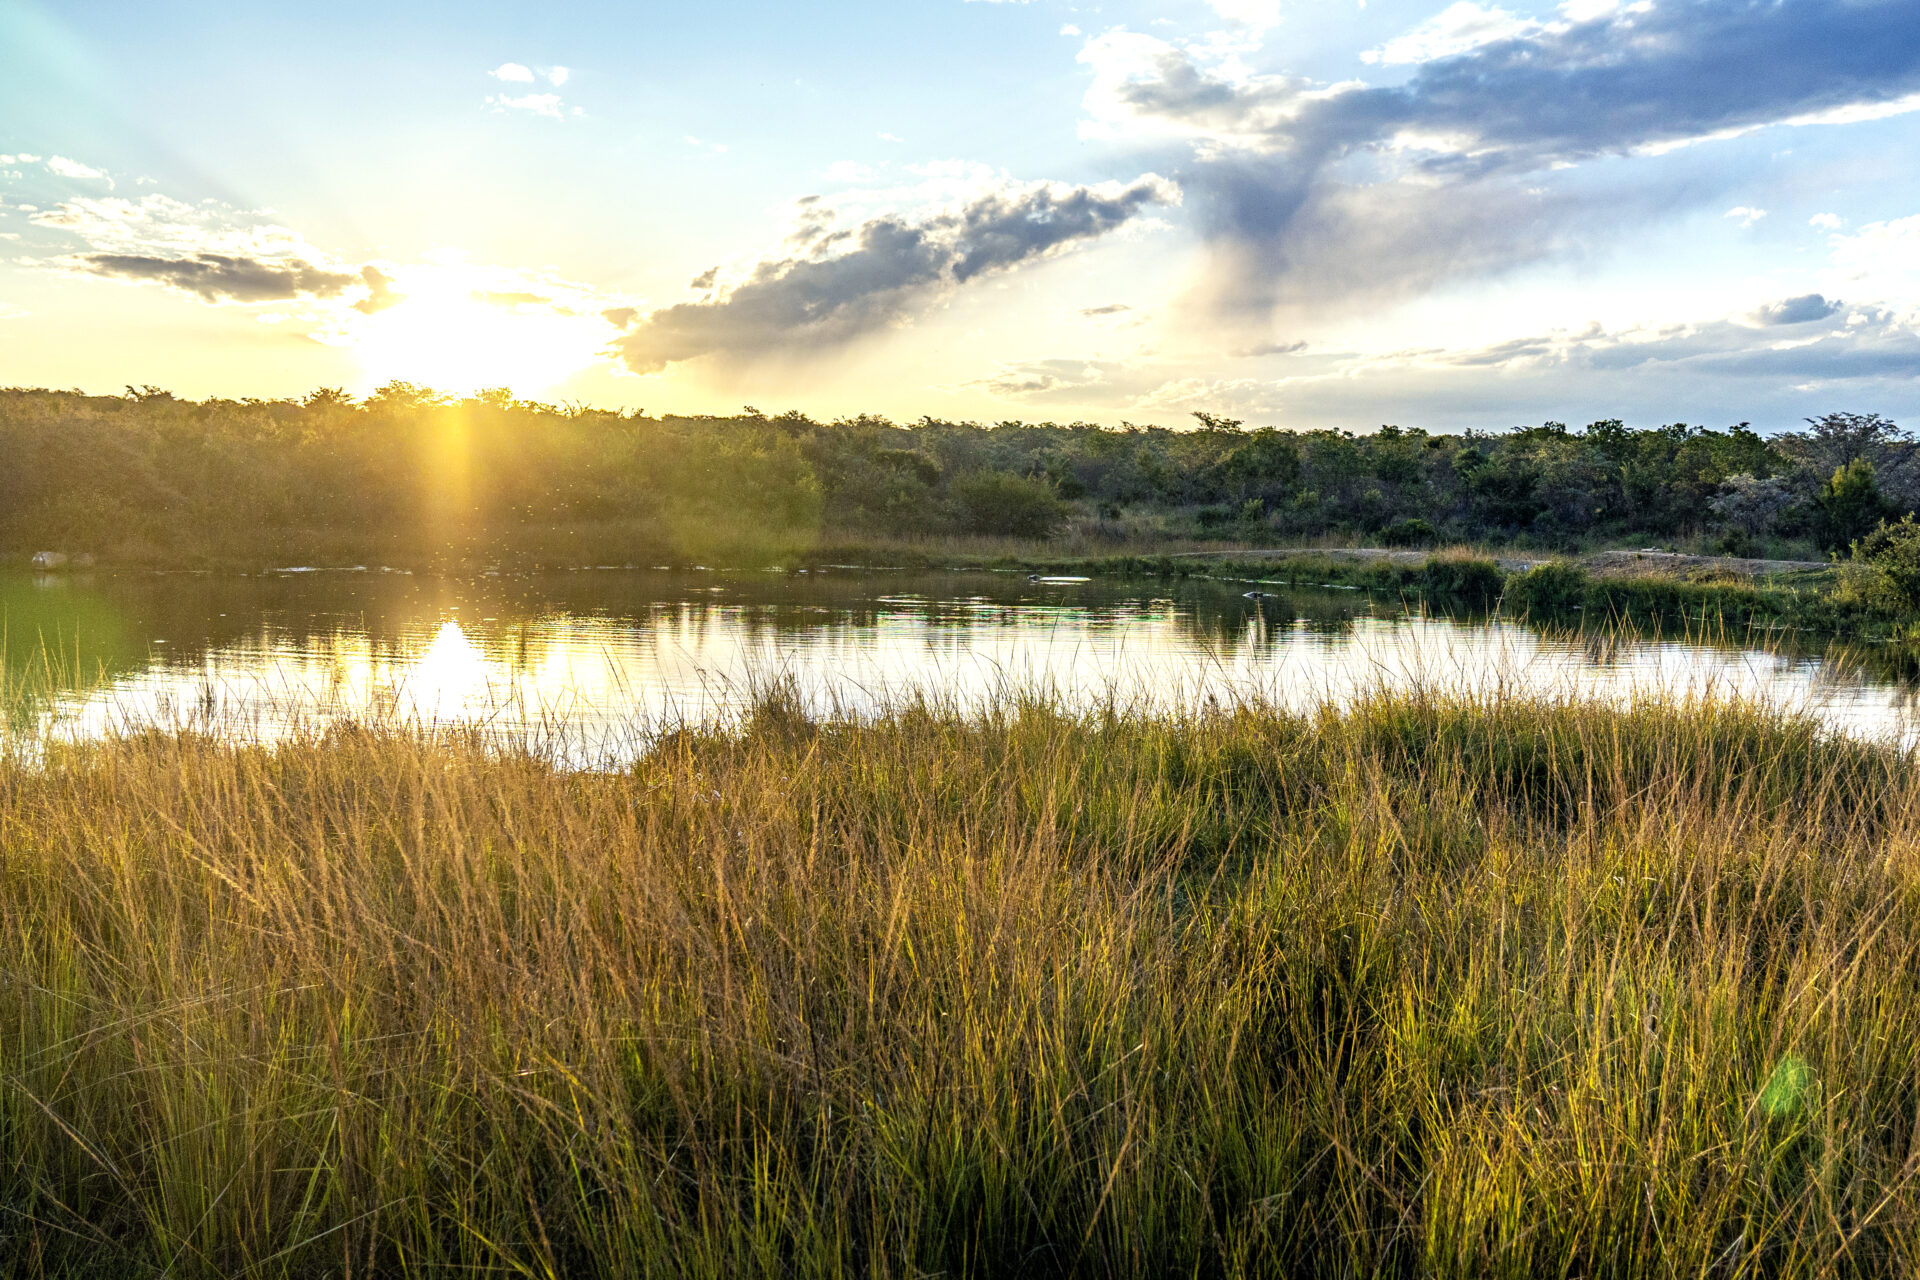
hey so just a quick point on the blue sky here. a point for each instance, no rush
(1304, 212)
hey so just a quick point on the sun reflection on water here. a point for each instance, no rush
(599, 681)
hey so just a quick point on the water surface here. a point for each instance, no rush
(598, 658)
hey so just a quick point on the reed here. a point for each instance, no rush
(1422, 985)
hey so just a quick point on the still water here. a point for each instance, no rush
(592, 661)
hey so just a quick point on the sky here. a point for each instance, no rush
(1301, 213)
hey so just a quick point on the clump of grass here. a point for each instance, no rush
(1562, 591)
(1425, 985)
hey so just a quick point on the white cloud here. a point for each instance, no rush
(1745, 215)
(1069, 30)
(557, 76)
(1225, 106)
(838, 278)
(539, 104)
(849, 171)
(1258, 14)
(61, 166)
(1458, 28)
(21, 158)
(1884, 255)
(889, 137)
(1826, 221)
(158, 224)
(512, 73)
(712, 148)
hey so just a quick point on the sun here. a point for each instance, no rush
(451, 332)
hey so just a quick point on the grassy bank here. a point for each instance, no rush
(1424, 987)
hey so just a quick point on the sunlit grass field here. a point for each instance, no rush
(1420, 986)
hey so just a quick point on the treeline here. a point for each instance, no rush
(406, 472)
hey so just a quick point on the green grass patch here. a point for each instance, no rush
(1424, 986)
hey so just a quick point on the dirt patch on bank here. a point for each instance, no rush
(1634, 564)
(1603, 564)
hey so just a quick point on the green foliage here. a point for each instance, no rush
(1469, 579)
(412, 474)
(1885, 566)
(994, 502)
(1849, 504)
(1410, 532)
(1555, 589)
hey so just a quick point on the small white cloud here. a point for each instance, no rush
(512, 73)
(557, 76)
(849, 171)
(1258, 14)
(22, 158)
(1458, 28)
(714, 148)
(1745, 215)
(889, 137)
(1069, 30)
(65, 168)
(1826, 221)
(539, 104)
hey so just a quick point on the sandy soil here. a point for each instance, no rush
(1606, 564)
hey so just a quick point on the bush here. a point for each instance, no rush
(1411, 532)
(1554, 589)
(1016, 506)
(1465, 578)
(1886, 567)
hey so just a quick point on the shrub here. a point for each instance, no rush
(1550, 590)
(1465, 578)
(1411, 532)
(1886, 567)
(1018, 506)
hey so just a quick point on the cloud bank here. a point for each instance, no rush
(845, 282)
(1457, 170)
(219, 277)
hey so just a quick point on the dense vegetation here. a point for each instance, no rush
(1421, 987)
(410, 476)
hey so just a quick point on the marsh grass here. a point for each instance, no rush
(1425, 985)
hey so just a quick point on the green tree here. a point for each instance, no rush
(1849, 504)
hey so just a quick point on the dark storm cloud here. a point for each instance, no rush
(220, 277)
(1290, 176)
(893, 265)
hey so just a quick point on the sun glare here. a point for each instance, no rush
(450, 335)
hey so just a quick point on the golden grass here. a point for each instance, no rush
(1425, 986)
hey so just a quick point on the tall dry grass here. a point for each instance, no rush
(1425, 986)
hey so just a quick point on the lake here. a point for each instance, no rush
(594, 659)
